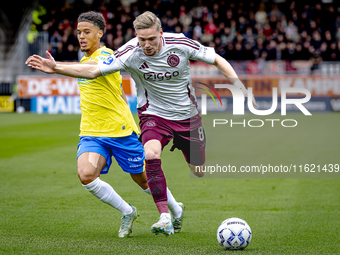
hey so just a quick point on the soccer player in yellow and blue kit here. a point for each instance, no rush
(107, 128)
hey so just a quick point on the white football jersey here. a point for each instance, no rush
(162, 80)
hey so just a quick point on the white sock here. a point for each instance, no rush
(147, 191)
(106, 193)
(175, 209)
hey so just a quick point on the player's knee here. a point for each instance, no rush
(151, 154)
(86, 177)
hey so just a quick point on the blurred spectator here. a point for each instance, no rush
(260, 33)
(280, 38)
(118, 40)
(324, 52)
(129, 34)
(267, 31)
(70, 54)
(109, 40)
(55, 40)
(313, 27)
(239, 38)
(31, 37)
(261, 15)
(290, 29)
(210, 28)
(251, 19)
(229, 16)
(259, 47)
(59, 53)
(291, 51)
(219, 49)
(337, 35)
(239, 52)
(337, 21)
(248, 33)
(303, 22)
(306, 50)
(271, 50)
(316, 60)
(248, 52)
(281, 51)
(299, 54)
(333, 52)
(197, 33)
(186, 31)
(328, 38)
(331, 16)
(37, 14)
(184, 18)
(316, 40)
(206, 37)
(135, 11)
(283, 23)
(230, 51)
(242, 24)
(228, 34)
(275, 12)
(32, 34)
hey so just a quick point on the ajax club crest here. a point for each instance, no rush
(173, 60)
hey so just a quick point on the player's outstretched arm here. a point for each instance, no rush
(228, 71)
(48, 65)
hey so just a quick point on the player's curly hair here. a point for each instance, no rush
(95, 18)
(147, 20)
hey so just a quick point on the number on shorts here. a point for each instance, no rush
(201, 133)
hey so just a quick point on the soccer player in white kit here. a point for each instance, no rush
(159, 64)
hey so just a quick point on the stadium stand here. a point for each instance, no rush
(15, 22)
(257, 37)
(239, 30)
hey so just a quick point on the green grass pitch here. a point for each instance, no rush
(45, 210)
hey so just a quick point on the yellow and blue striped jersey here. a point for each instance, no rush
(104, 112)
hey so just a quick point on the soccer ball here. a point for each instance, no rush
(234, 234)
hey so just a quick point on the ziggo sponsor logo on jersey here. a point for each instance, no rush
(152, 76)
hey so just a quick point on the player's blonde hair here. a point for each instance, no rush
(147, 20)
